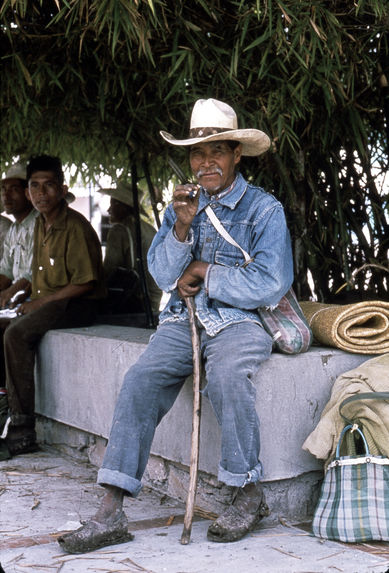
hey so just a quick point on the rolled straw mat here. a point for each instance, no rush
(362, 327)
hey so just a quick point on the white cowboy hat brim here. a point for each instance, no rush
(254, 142)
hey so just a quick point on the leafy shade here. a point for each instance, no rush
(95, 81)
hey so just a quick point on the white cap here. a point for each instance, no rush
(16, 171)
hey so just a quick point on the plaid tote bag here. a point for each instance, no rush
(354, 500)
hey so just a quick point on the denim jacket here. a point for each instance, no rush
(231, 291)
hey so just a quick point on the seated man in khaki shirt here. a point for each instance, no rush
(67, 284)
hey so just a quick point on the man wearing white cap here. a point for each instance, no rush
(191, 257)
(15, 264)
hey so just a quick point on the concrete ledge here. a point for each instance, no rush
(80, 371)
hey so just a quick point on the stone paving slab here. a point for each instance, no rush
(44, 494)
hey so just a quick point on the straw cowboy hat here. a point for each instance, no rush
(123, 193)
(16, 171)
(214, 120)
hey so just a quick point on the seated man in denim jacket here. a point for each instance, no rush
(188, 257)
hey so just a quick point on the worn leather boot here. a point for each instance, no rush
(94, 535)
(246, 510)
(18, 436)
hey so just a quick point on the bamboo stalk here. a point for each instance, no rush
(195, 442)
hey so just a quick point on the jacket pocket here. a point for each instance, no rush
(229, 259)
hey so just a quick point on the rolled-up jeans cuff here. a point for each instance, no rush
(240, 480)
(120, 480)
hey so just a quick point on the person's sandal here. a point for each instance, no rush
(95, 534)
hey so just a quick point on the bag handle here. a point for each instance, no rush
(353, 428)
(225, 234)
(362, 396)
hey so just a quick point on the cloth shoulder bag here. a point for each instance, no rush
(285, 323)
(353, 504)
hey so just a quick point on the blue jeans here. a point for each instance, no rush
(150, 387)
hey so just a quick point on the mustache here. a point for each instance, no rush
(202, 172)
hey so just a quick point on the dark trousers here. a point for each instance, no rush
(4, 322)
(20, 340)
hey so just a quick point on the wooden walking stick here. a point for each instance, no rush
(195, 440)
(195, 443)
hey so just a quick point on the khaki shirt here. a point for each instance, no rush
(121, 252)
(120, 249)
(18, 247)
(69, 253)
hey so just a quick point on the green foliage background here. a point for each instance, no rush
(95, 80)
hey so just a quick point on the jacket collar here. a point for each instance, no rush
(231, 199)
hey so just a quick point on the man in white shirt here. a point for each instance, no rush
(15, 265)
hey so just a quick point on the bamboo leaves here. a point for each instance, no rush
(95, 80)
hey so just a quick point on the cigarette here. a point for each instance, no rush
(193, 192)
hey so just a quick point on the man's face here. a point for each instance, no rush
(117, 211)
(13, 197)
(45, 192)
(213, 164)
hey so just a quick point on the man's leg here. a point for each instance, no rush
(149, 390)
(21, 339)
(232, 358)
(4, 322)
